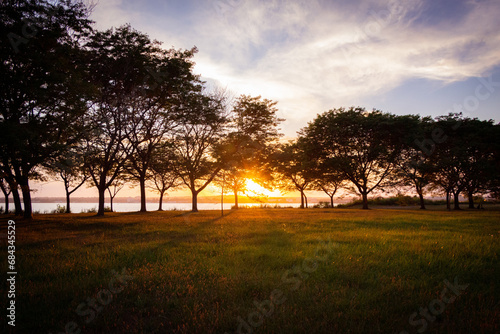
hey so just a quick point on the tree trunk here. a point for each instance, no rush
(235, 198)
(17, 202)
(305, 197)
(365, 200)
(456, 203)
(331, 201)
(68, 210)
(160, 202)
(111, 203)
(14, 189)
(142, 185)
(100, 210)
(28, 211)
(194, 202)
(421, 197)
(471, 200)
(448, 205)
(6, 204)
(301, 199)
(6, 195)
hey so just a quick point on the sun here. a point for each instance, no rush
(255, 189)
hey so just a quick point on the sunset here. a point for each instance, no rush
(250, 166)
(402, 57)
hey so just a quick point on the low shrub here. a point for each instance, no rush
(59, 209)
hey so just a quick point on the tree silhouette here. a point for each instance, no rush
(363, 145)
(135, 81)
(113, 190)
(70, 168)
(154, 110)
(247, 148)
(42, 91)
(199, 135)
(4, 186)
(415, 166)
(293, 169)
(163, 176)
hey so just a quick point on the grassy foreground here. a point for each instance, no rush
(258, 271)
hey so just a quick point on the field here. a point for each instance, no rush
(258, 271)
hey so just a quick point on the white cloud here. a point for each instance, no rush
(110, 13)
(312, 55)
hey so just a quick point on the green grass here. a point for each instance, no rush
(200, 273)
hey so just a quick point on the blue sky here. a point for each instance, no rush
(407, 56)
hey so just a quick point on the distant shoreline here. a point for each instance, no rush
(184, 199)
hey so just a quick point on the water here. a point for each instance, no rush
(132, 207)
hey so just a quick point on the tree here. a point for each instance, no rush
(364, 145)
(478, 140)
(10, 180)
(417, 170)
(325, 174)
(42, 91)
(232, 179)
(107, 150)
(4, 186)
(197, 139)
(163, 176)
(118, 62)
(71, 170)
(247, 149)
(450, 158)
(415, 166)
(294, 170)
(154, 109)
(329, 183)
(114, 189)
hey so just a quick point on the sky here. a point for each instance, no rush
(427, 57)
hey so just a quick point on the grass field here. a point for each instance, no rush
(258, 271)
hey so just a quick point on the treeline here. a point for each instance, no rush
(114, 107)
(366, 151)
(110, 108)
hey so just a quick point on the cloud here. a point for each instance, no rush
(315, 55)
(110, 13)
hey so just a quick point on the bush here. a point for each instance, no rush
(400, 200)
(322, 205)
(59, 209)
(263, 206)
(92, 210)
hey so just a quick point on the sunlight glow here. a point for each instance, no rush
(254, 189)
